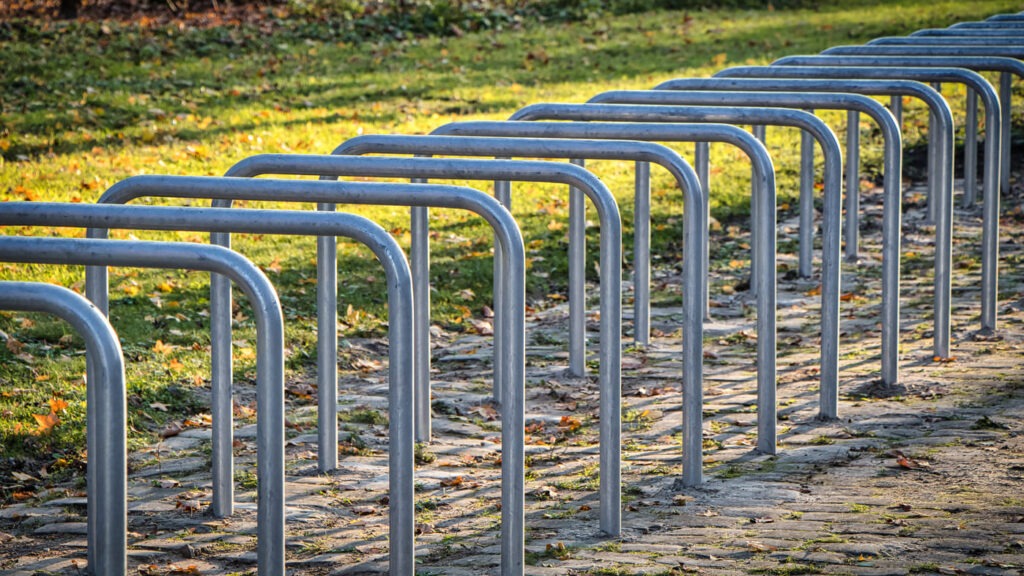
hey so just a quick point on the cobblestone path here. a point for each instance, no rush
(924, 479)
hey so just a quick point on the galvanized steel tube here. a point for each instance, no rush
(833, 197)
(993, 148)
(763, 183)
(107, 483)
(699, 91)
(512, 170)
(944, 117)
(399, 298)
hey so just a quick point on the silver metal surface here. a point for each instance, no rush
(831, 263)
(305, 223)
(1003, 59)
(695, 241)
(610, 354)
(976, 32)
(763, 183)
(820, 78)
(899, 67)
(271, 504)
(943, 40)
(891, 56)
(547, 148)
(993, 25)
(107, 483)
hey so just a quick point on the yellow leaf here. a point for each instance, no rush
(45, 422)
(57, 405)
(161, 348)
(718, 60)
(175, 365)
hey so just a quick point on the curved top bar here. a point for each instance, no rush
(865, 56)
(628, 112)
(943, 41)
(995, 25)
(942, 49)
(815, 79)
(282, 190)
(555, 147)
(91, 252)
(818, 67)
(693, 95)
(771, 81)
(107, 552)
(498, 146)
(974, 32)
(668, 132)
(448, 168)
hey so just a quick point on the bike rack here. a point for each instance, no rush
(1005, 25)
(777, 100)
(990, 216)
(856, 56)
(307, 224)
(943, 40)
(106, 477)
(694, 245)
(270, 354)
(270, 430)
(610, 377)
(643, 153)
(763, 182)
(699, 115)
(833, 198)
(1017, 17)
(979, 62)
(942, 118)
(970, 32)
(680, 94)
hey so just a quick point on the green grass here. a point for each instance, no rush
(88, 104)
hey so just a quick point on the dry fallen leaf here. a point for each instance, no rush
(45, 422)
(172, 429)
(57, 405)
(161, 348)
(22, 477)
(189, 506)
(759, 547)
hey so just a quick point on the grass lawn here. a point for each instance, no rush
(87, 104)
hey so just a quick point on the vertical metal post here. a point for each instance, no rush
(503, 194)
(971, 150)
(852, 184)
(107, 477)
(702, 164)
(642, 255)
(1005, 92)
(327, 347)
(760, 132)
(419, 261)
(806, 232)
(222, 501)
(932, 160)
(577, 280)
